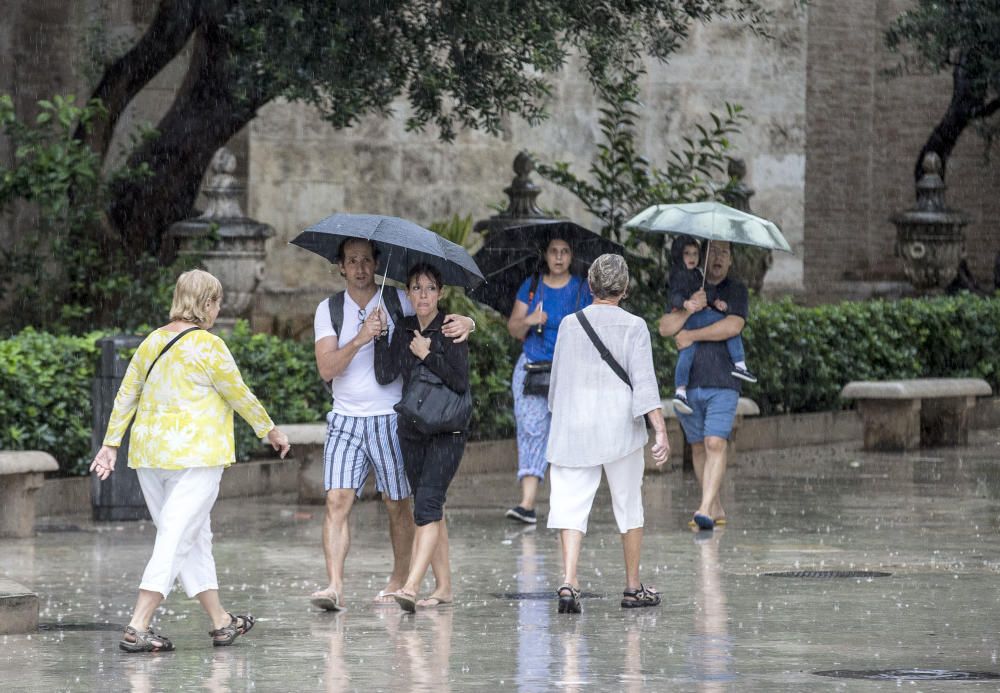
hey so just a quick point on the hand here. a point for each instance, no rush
(278, 441)
(457, 327)
(104, 462)
(691, 306)
(420, 346)
(720, 305)
(661, 448)
(683, 339)
(371, 328)
(700, 298)
(537, 317)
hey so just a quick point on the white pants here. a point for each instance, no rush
(180, 501)
(573, 489)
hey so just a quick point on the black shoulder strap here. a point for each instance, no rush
(166, 349)
(393, 305)
(337, 311)
(605, 354)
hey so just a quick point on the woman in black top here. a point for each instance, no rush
(430, 460)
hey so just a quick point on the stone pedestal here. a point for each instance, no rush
(891, 424)
(18, 608)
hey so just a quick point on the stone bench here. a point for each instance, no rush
(21, 475)
(906, 414)
(18, 608)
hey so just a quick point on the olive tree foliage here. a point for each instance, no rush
(963, 37)
(459, 64)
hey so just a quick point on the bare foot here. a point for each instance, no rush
(435, 600)
(328, 599)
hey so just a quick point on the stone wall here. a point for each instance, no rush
(865, 131)
(302, 170)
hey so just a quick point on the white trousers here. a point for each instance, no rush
(180, 501)
(572, 491)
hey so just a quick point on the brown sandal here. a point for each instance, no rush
(238, 625)
(144, 641)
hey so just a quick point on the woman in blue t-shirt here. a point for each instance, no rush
(543, 300)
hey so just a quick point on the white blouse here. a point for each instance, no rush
(596, 417)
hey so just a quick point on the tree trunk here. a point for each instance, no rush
(945, 135)
(170, 29)
(204, 116)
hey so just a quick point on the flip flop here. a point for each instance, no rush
(718, 523)
(407, 602)
(433, 603)
(383, 598)
(327, 602)
(704, 521)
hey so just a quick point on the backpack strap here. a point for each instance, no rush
(603, 350)
(337, 311)
(393, 305)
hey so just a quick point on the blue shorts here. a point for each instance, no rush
(713, 411)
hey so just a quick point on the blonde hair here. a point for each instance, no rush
(194, 289)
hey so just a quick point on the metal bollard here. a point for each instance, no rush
(119, 497)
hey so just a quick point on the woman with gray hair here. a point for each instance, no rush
(602, 386)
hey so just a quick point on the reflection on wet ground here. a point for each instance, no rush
(930, 520)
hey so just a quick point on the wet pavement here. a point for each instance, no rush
(929, 519)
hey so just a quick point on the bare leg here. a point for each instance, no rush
(529, 490)
(145, 607)
(425, 541)
(441, 565)
(632, 546)
(572, 541)
(336, 538)
(209, 600)
(401, 529)
(713, 471)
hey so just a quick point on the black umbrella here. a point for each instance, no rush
(401, 244)
(514, 253)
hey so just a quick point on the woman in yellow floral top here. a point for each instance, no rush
(181, 440)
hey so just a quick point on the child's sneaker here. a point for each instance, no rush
(681, 404)
(743, 374)
(528, 517)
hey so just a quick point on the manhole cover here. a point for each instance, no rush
(81, 626)
(523, 596)
(828, 574)
(912, 675)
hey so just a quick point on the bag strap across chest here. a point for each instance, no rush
(602, 349)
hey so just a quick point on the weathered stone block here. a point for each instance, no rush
(21, 475)
(18, 608)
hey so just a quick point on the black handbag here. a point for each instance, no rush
(432, 407)
(536, 380)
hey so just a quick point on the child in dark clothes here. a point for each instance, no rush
(686, 278)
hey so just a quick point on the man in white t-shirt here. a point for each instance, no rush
(361, 431)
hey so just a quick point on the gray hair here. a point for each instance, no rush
(608, 276)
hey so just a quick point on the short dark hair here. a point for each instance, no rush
(424, 269)
(343, 245)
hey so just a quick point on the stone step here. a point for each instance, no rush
(18, 608)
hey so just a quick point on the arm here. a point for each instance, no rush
(221, 368)
(661, 446)
(389, 355)
(520, 321)
(451, 365)
(332, 359)
(729, 326)
(673, 322)
(127, 399)
(458, 327)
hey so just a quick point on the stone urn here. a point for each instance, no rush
(750, 263)
(521, 207)
(929, 237)
(230, 245)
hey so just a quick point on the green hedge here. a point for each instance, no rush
(803, 356)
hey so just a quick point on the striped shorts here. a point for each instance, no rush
(355, 445)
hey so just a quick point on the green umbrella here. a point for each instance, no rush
(713, 221)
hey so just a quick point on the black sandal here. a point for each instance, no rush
(238, 625)
(569, 600)
(144, 641)
(643, 596)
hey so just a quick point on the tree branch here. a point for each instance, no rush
(171, 28)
